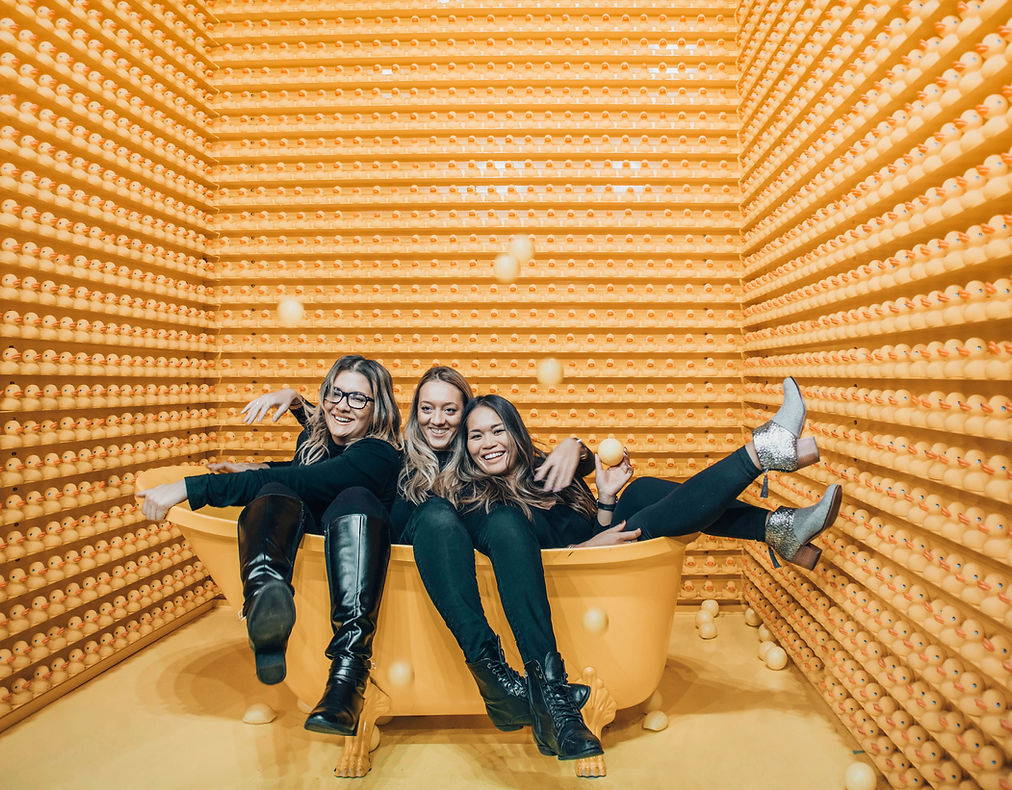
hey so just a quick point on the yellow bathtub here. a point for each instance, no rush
(611, 608)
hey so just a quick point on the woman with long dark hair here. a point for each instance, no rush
(350, 442)
(487, 489)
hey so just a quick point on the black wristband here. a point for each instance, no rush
(609, 508)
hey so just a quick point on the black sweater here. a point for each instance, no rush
(371, 463)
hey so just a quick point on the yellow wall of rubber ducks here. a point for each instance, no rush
(717, 196)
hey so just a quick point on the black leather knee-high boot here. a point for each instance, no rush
(357, 548)
(270, 529)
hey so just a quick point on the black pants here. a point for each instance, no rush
(706, 502)
(444, 544)
(351, 500)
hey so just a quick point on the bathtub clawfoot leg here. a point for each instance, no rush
(355, 759)
(598, 713)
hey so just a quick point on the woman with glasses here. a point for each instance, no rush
(350, 443)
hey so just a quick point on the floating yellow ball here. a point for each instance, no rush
(549, 372)
(522, 249)
(507, 268)
(751, 618)
(290, 311)
(611, 452)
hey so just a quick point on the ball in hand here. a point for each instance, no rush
(611, 452)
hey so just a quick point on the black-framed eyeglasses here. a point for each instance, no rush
(356, 400)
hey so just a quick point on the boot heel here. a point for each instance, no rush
(268, 625)
(808, 451)
(807, 556)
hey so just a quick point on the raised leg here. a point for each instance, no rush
(355, 760)
(598, 713)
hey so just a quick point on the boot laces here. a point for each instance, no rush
(560, 703)
(507, 678)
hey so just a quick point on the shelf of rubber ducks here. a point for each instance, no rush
(876, 255)
(108, 330)
(718, 196)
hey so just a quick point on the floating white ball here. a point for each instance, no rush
(751, 618)
(611, 452)
(290, 311)
(763, 648)
(374, 739)
(764, 634)
(522, 249)
(654, 702)
(776, 657)
(708, 630)
(595, 620)
(711, 606)
(507, 268)
(259, 713)
(702, 617)
(655, 720)
(401, 673)
(549, 372)
(860, 776)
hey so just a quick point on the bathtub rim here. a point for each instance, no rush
(222, 527)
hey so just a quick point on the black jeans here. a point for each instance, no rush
(351, 500)
(444, 544)
(706, 502)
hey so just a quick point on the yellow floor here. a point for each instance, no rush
(170, 717)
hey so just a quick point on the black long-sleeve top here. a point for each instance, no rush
(370, 462)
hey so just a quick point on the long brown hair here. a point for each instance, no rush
(466, 486)
(386, 419)
(421, 468)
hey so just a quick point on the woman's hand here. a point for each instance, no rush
(230, 467)
(559, 467)
(157, 501)
(257, 409)
(610, 479)
(613, 536)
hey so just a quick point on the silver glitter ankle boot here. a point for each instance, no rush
(777, 442)
(790, 531)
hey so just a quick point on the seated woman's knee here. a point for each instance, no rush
(356, 499)
(276, 489)
(434, 514)
(507, 528)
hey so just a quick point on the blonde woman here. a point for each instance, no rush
(350, 443)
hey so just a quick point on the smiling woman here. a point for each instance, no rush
(349, 444)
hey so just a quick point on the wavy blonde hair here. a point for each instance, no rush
(467, 487)
(421, 468)
(386, 419)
